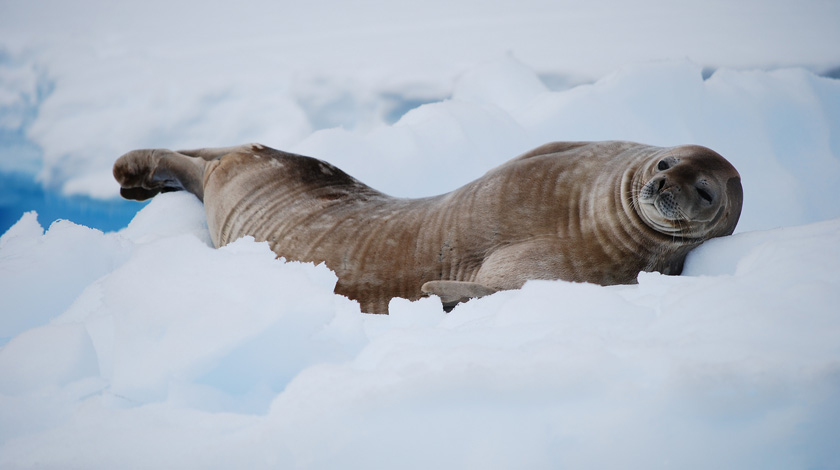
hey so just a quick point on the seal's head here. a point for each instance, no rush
(689, 192)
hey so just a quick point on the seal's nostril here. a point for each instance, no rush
(660, 184)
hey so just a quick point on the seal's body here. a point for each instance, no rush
(590, 212)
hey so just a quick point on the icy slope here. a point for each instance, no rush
(182, 355)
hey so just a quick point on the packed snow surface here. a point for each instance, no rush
(148, 348)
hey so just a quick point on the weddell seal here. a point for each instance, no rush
(596, 212)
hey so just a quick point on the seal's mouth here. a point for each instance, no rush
(662, 215)
(668, 207)
(655, 196)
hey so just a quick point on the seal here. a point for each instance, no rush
(597, 212)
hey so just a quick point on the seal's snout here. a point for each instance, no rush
(662, 196)
(668, 205)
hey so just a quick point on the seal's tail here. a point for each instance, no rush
(145, 173)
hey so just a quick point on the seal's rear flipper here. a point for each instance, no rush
(452, 293)
(145, 173)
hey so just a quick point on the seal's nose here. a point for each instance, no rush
(653, 187)
(660, 183)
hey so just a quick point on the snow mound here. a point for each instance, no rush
(181, 355)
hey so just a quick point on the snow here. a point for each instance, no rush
(146, 347)
(187, 356)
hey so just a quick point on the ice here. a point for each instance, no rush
(731, 364)
(52, 267)
(505, 83)
(742, 251)
(148, 348)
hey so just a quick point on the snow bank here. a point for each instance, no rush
(182, 355)
(148, 348)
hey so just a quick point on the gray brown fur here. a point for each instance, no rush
(595, 212)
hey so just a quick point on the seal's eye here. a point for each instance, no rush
(705, 195)
(663, 165)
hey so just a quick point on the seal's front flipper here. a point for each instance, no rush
(145, 173)
(452, 293)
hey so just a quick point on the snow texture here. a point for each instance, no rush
(148, 348)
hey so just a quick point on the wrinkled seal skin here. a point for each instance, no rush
(596, 212)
